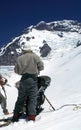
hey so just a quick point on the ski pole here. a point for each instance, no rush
(49, 102)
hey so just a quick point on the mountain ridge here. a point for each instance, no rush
(53, 34)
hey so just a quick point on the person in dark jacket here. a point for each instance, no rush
(3, 102)
(28, 65)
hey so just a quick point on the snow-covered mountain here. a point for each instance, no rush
(62, 64)
(55, 35)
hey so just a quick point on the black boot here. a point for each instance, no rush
(15, 117)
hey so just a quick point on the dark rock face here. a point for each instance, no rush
(45, 50)
(10, 55)
(78, 43)
(72, 26)
(41, 26)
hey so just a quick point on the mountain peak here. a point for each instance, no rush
(58, 36)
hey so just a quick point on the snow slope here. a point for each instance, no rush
(65, 88)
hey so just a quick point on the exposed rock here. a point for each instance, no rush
(45, 50)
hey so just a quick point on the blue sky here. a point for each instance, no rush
(16, 15)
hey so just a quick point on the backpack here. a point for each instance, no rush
(43, 83)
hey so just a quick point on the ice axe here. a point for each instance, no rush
(42, 89)
(49, 102)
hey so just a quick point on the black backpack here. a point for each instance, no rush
(43, 83)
